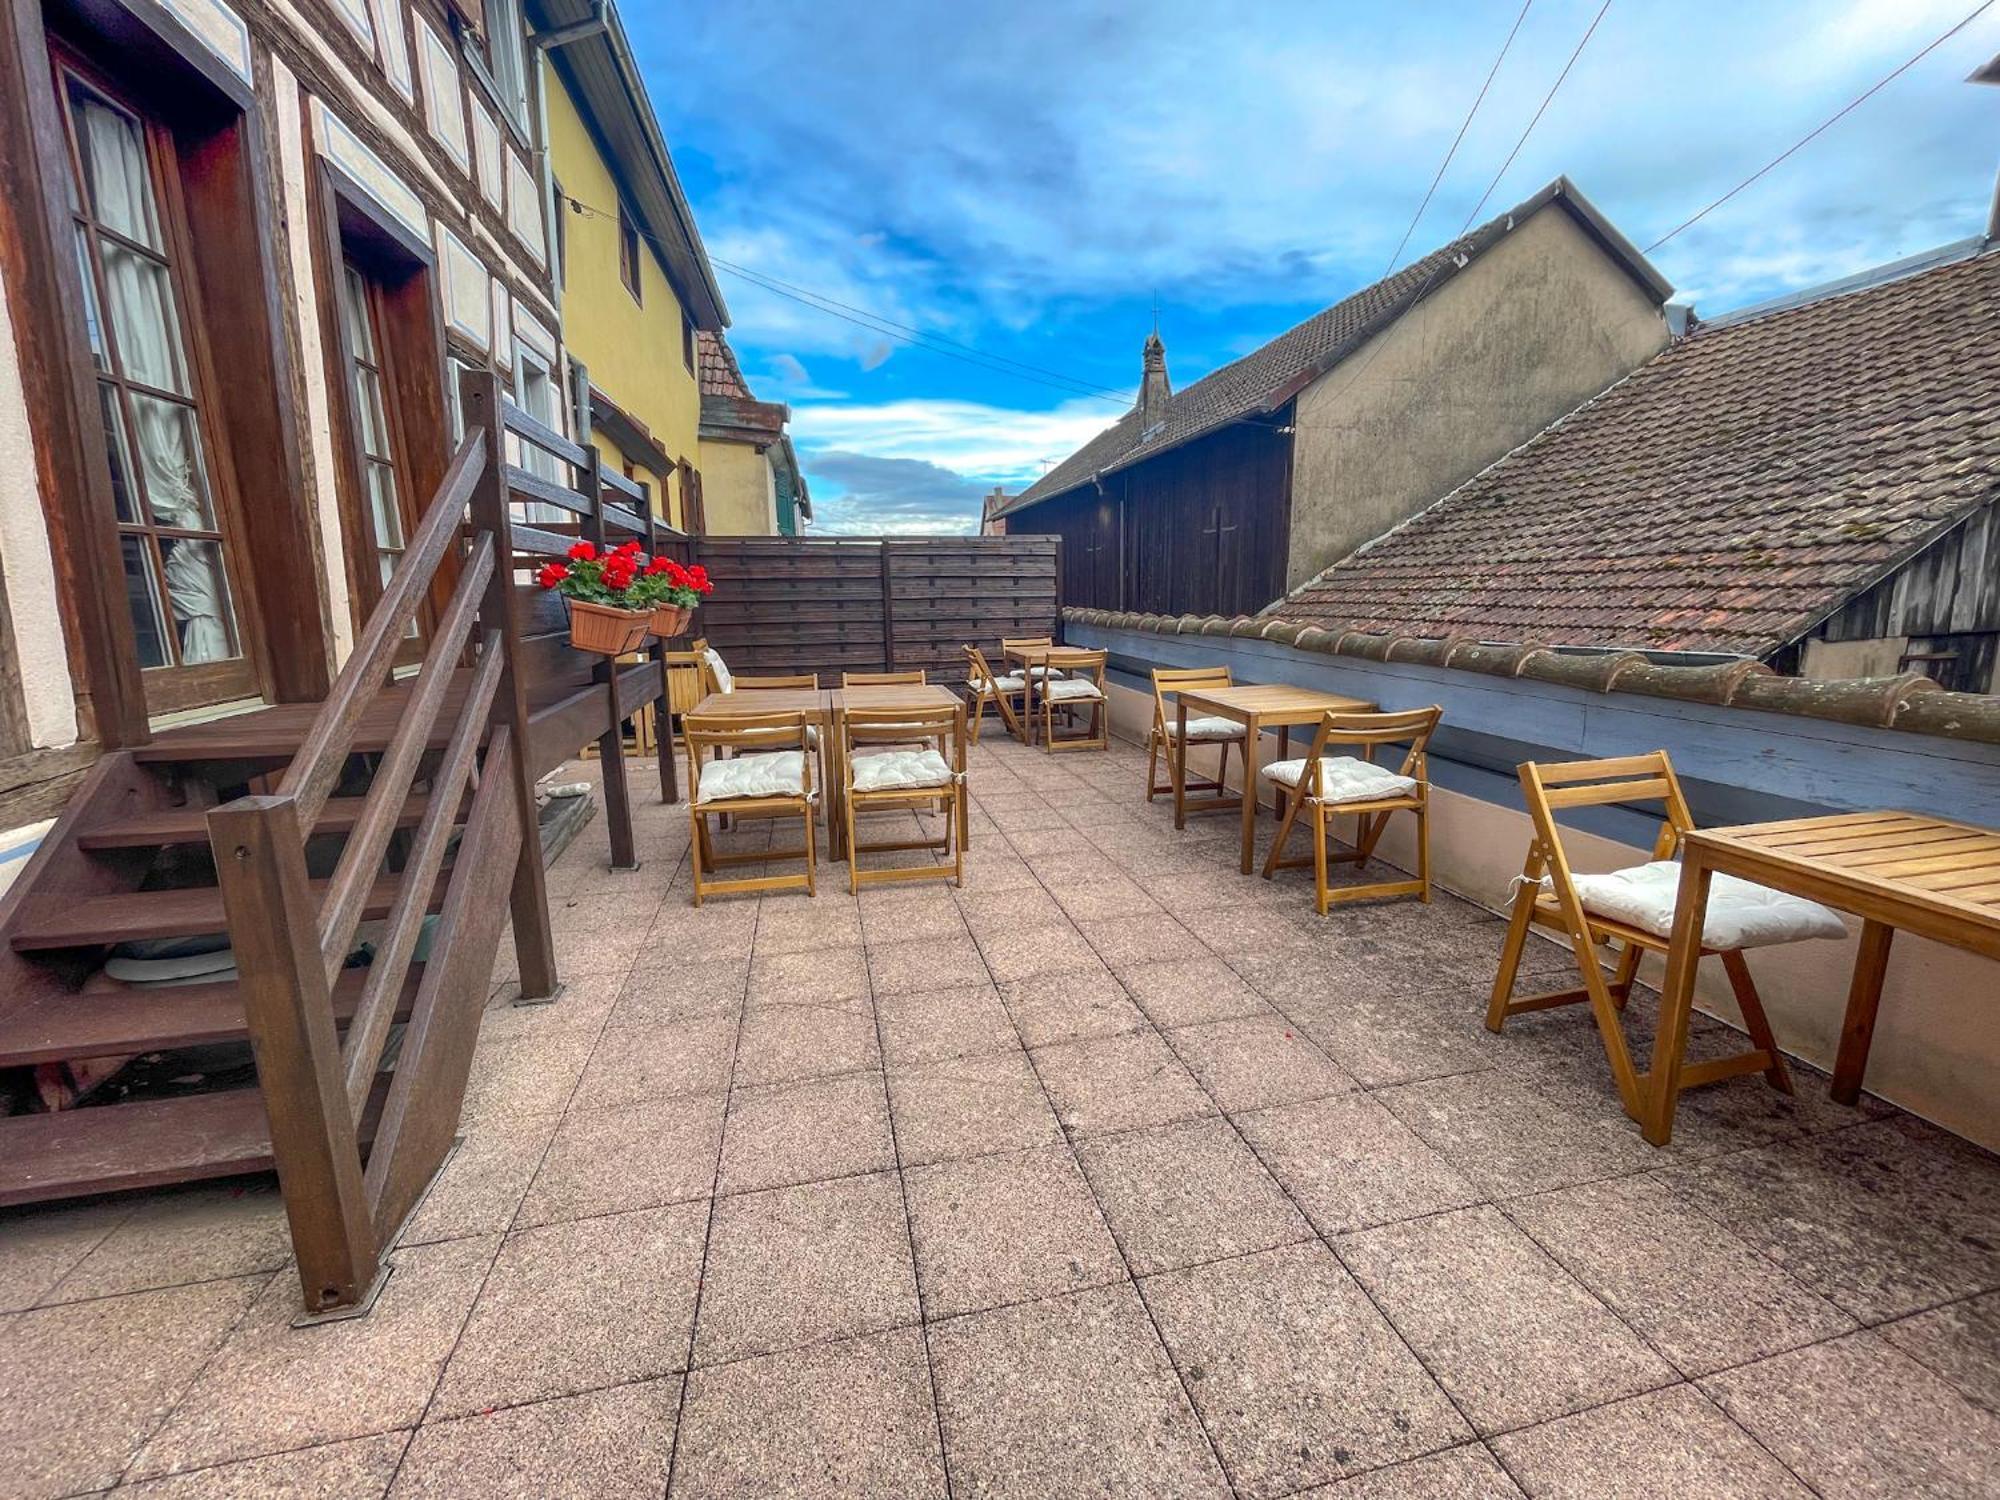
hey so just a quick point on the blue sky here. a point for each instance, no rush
(1025, 177)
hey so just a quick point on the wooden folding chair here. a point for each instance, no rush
(1008, 694)
(1075, 685)
(1550, 789)
(882, 679)
(1331, 786)
(768, 774)
(1164, 738)
(883, 773)
(776, 680)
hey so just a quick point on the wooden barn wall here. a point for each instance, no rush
(829, 605)
(1198, 530)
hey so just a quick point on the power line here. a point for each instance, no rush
(1589, 31)
(1819, 129)
(1464, 125)
(902, 333)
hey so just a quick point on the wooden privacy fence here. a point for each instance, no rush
(828, 605)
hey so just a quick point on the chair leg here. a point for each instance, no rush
(1320, 819)
(1755, 1021)
(1424, 848)
(1511, 950)
(1285, 834)
(812, 851)
(1152, 763)
(853, 854)
(695, 850)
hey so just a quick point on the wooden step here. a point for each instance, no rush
(275, 733)
(58, 921)
(127, 1022)
(189, 825)
(118, 1146)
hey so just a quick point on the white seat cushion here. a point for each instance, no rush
(1205, 729)
(1741, 913)
(1072, 690)
(1343, 778)
(1012, 683)
(900, 770)
(1045, 672)
(772, 773)
(724, 683)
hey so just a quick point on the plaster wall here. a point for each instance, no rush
(28, 564)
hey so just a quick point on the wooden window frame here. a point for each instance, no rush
(631, 257)
(694, 516)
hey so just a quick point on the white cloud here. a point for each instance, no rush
(993, 444)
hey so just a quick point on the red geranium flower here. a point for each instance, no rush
(583, 552)
(551, 574)
(631, 546)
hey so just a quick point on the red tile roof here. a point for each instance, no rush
(716, 367)
(1724, 497)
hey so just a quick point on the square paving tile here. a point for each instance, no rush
(1510, 1334)
(915, 914)
(1509, 1139)
(1855, 1417)
(1067, 1396)
(1101, 900)
(273, 1387)
(657, 995)
(1119, 1083)
(1000, 1229)
(1261, 930)
(645, 1065)
(1254, 1062)
(483, 1181)
(612, 1443)
(1177, 1194)
(585, 1003)
(939, 964)
(527, 1075)
(969, 1106)
(1008, 909)
(1961, 1342)
(817, 976)
(181, 1235)
(1467, 1473)
(358, 1469)
(1069, 1007)
(1127, 940)
(1669, 1442)
(85, 1383)
(800, 1265)
(824, 1423)
(1043, 948)
(807, 926)
(1296, 1375)
(605, 1161)
(1350, 1164)
(787, 1043)
(39, 1244)
(932, 1025)
(722, 928)
(804, 1132)
(572, 1307)
(1187, 991)
(1695, 1291)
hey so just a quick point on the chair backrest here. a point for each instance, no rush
(870, 728)
(1009, 642)
(783, 680)
(976, 668)
(1085, 664)
(880, 679)
(1167, 681)
(715, 676)
(748, 734)
(1550, 788)
(1411, 727)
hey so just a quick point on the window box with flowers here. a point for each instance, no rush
(673, 592)
(605, 613)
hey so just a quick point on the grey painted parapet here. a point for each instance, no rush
(1741, 760)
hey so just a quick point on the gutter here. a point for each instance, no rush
(598, 23)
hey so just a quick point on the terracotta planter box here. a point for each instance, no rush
(670, 620)
(608, 631)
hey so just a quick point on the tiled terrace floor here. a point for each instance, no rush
(1114, 1173)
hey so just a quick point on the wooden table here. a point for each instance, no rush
(915, 697)
(1257, 707)
(1930, 876)
(1030, 657)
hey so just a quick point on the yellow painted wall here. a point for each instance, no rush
(632, 349)
(736, 490)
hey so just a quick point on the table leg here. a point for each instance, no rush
(1177, 763)
(964, 793)
(1864, 997)
(1252, 732)
(1027, 702)
(1662, 1084)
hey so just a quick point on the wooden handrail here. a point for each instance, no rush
(361, 859)
(310, 777)
(538, 432)
(377, 1007)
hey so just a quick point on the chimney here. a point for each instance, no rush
(1154, 387)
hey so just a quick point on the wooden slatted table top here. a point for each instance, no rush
(817, 702)
(1273, 703)
(1909, 858)
(885, 695)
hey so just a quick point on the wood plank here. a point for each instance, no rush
(189, 825)
(122, 1146)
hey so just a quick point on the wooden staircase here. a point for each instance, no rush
(404, 803)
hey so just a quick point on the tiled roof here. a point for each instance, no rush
(1724, 497)
(1267, 377)
(716, 367)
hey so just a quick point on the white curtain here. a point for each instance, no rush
(165, 443)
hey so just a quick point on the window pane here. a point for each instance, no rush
(170, 465)
(91, 326)
(354, 308)
(142, 318)
(382, 503)
(116, 181)
(368, 406)
(119, 452)
(198, 593)
(142, 597)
